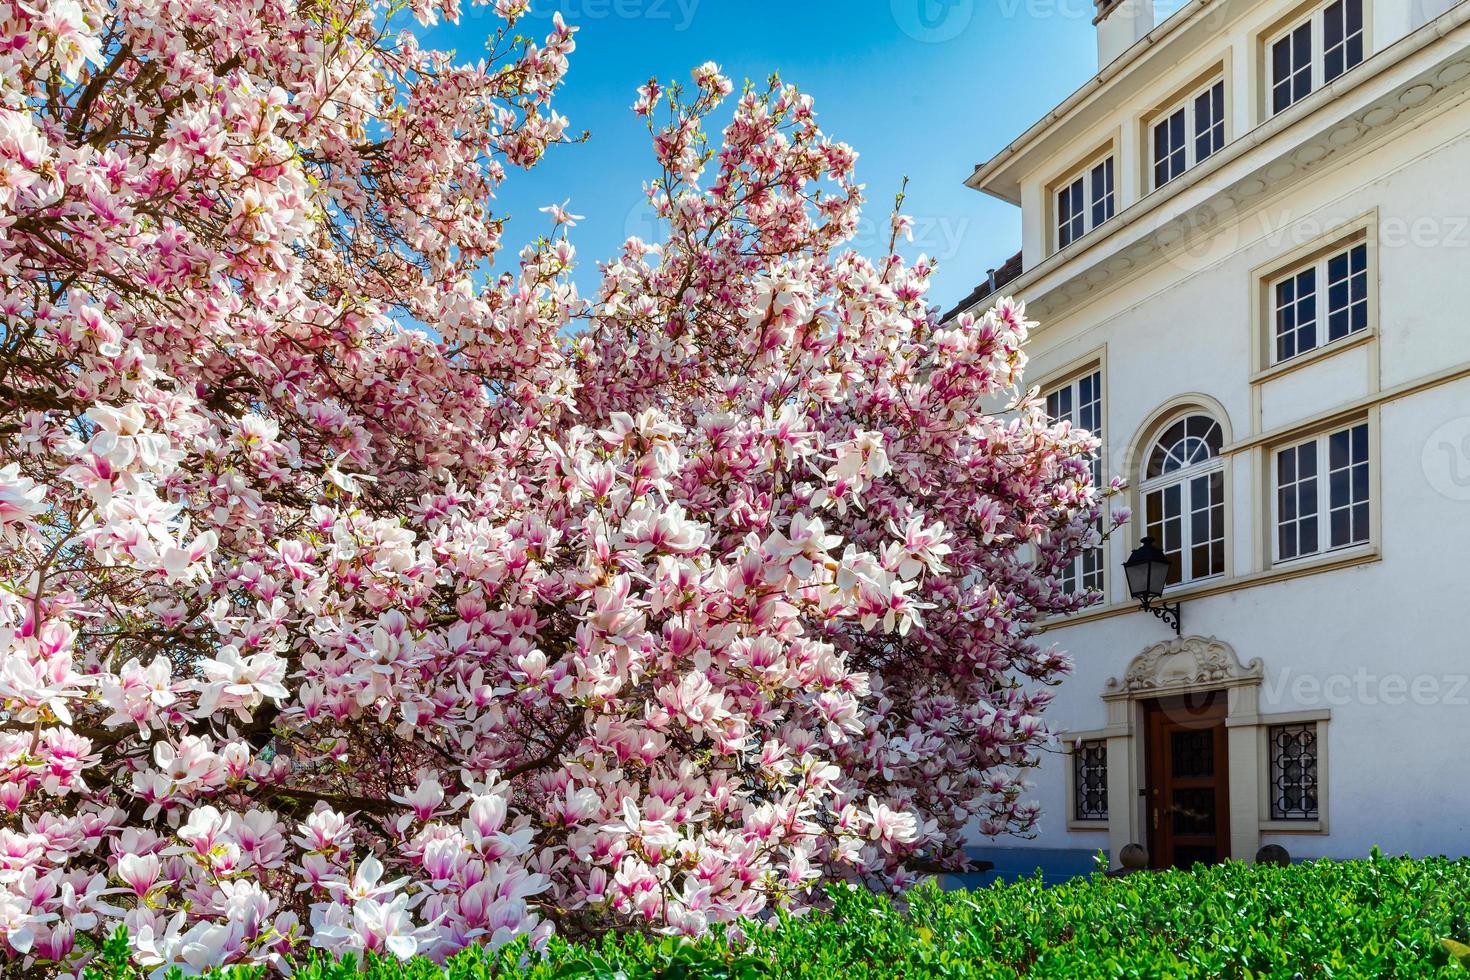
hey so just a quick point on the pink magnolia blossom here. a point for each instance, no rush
(351, 598)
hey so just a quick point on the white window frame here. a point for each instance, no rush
(1106, 161)
(1073, 385)
(1322, 286)
(1187, 105)
(1316, 24)
(1185, 477)
(1321, 441)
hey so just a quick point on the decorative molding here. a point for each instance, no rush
(1190, 663)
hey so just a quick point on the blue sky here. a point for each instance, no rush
(924, 88)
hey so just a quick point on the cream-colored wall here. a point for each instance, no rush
(1399, 614)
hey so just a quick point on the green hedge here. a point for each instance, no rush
(1376, 918)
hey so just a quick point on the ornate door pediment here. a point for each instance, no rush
(1190, 663)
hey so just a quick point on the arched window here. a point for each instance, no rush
(1184, 497)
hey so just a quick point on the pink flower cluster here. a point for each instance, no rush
(349, 600)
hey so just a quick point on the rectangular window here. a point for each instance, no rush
(1293, 771)
(1209, 121)
(1342, 37)
(1187, 519)
(1090, 780)
(1102, 192)
(1347, 292)
(1316, 51)
(1297, 306)
(1322, 493)
(1296, 501)
(1071, 213)
(1170, 157)
(1347, 487)
(1080, 402)
(1085, 202)
(1190, 133)
(1291, 68)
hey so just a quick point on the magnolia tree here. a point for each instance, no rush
(350, 600)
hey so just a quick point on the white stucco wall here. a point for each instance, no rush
(1385, 644)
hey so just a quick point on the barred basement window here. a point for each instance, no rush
(1294, 772)
(1090, 780)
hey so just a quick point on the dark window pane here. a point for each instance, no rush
(1306, 460)
(1307, 307)
(1332, 25)
(1307, 498)
(1309, 535)
(1199, 561)
(1192, 753)
(1286, 466)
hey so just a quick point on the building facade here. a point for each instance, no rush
(1247, 241)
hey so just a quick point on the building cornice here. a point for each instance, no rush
(1419, 74)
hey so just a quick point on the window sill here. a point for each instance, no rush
(1294, 826)
(1365, 336)
(1332, 557)
(1088, 826)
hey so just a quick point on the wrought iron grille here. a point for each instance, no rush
(1294, 772)
(1090, 780)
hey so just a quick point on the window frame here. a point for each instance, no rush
(1321, 269)
(1185, 101)
(1265, 724)
(1317, 252)
(1314, 19)
(1103, 158)
(1216, 468)
(1071, 381)
(1320, 440)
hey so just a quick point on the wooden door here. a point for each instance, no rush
(1188, 788)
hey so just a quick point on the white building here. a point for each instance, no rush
(1247, 240)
